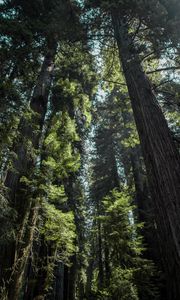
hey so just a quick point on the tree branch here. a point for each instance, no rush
(115, 82)
(163, 69)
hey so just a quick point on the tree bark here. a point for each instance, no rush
(160, 154)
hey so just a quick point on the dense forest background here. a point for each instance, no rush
(89, 140)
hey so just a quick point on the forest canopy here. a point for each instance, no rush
(89, 150)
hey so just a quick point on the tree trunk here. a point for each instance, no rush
(100, 259)
(73, 278)
(22, 252)
(160, 154)
(59, 282)
(106, 262)
(66, 283)
(24, 165)
(38, 105)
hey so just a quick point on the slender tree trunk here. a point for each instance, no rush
(44, 279)
(107, 262)
(89, 278)
(66, 284)
(71, 189)
(160, 154)
(100, 259)
(90, 268)
(22, 255)
(59, 282)
(73, 278)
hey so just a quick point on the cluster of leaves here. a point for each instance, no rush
(59, 229)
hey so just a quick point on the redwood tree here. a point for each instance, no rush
(160, 154)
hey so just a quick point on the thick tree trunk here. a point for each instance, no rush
(24, 165)
(146, 214)
(145, 211)
(38, 105)
(160, 154)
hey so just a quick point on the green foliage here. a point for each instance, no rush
(131, 138)
(131, 275)
(56, 194)
(59, 144)
(76, 83)
(121, 228)
(121, 284)
(8, 217)
(52, 176)
(59, 230)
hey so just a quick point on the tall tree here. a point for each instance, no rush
(159, 151)
(29, 143)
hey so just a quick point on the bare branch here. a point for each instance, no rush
(164, 69)
(147, 55)
(115, 82)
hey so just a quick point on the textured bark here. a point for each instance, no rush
(145, 209)
(160, 154)
(143, 201)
